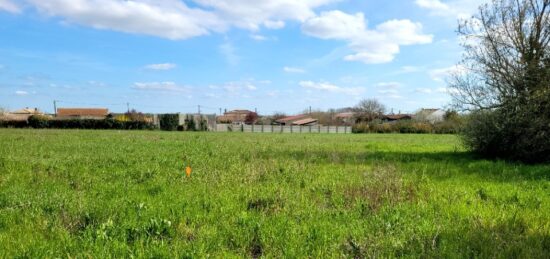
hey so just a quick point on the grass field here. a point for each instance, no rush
(124, 193)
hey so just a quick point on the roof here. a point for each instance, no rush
(27, 111)
(304, 121)
(239, 112)
(345, 115)
(93, 112)
(292, 118)
(398, 116)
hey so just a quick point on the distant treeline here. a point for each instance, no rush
(408, 126)
(42, 122)
(168, 122)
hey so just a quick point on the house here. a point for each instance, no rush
(305, 122)
(82, 113)
(234, 117)
(21, 115)
(302, 119)
(431, 115)
(397, 117)
(345, 117)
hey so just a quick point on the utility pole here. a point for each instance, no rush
(309, 110)
(55, 108)
(256, 110)
(199, 110)
(128, 106)
(220, 111)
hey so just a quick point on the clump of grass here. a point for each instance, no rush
(266, 205)
(382, 185)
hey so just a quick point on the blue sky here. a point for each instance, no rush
(277, 55)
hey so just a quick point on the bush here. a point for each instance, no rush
(169, 122)
(518, 137)
(453, 124)
(38, 121)
(13, 124)
(109, 123)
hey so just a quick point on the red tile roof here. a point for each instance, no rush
(398, 116)
(345, 115)
(92, 112)
(292, 118)
(304, 121)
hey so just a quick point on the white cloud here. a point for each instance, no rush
(21, 93)
(335, 25)
(94, 83)
(388, 91)
(441, 74)
(371, 46)
(451, 9)
(410, 69)
(161, 86)
(174, 19)
(294, 70)
(389, 85)
(237, 87)
(271, 14)
(162, 66)
(328, 87)
(423, 90)
(274, 24)
(229, 53)
(9, 6)
(258, 37)
(435, 6)
(171, 19)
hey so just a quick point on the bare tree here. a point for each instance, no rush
(369, 109)
(506, 61)
(504, 79)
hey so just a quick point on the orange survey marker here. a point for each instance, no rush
(188, 171)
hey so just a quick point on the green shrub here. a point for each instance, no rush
(38, 121)
(360, 128)
(497, 134)
(169, 122)
(41, 122)
(190, 124)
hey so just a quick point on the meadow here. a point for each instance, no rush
(107, 194)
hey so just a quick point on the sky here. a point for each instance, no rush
(271, 55)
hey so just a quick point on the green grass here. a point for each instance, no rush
(107, 194)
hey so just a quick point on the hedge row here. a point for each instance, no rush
(445, 127)
(38, 122)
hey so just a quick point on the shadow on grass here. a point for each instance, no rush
(510, 238)
(436, 164)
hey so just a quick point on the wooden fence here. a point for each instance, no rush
(283, 129)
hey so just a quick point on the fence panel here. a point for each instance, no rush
(283, 129)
